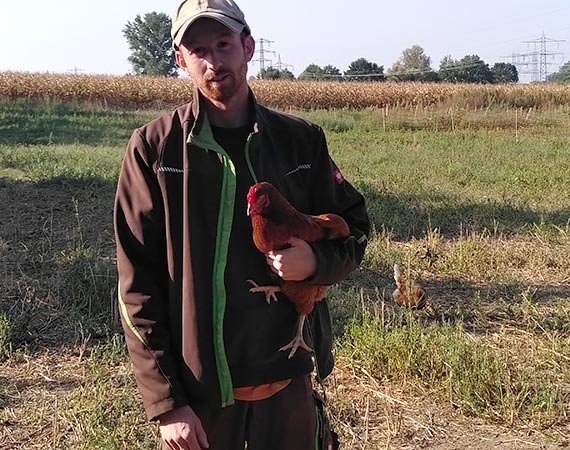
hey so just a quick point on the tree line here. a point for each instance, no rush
(415, 65)
(150, 43)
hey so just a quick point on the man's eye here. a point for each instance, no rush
(198, 51)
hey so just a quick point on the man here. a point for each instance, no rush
(205, 350)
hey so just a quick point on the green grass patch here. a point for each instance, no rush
(54, 122)
(475, 377)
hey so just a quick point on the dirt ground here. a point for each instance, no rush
(40, 221)
(36, 389)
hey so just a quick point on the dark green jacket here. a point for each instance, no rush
(172, 292)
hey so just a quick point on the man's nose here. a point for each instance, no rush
(214, 61)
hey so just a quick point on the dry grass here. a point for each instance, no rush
(371, 414)
(80, 397)
(145, 92)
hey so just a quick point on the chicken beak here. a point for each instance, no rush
(247, 211)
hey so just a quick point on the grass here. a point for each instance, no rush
(51, 121)
(5, 336)
(467, 372)
(103, 421)
(476, 209)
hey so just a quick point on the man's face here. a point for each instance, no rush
(216, 59)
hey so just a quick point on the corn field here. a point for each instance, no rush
(151, 92)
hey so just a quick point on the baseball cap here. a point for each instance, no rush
(224, 11)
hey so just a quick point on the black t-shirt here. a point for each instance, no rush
(253, 330)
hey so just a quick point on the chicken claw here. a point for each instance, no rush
(298, 340)
(269, 291)
(294, 345)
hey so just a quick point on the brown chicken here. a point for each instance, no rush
(410, 295)
(275, 221)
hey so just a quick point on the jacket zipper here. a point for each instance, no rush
(225, 218)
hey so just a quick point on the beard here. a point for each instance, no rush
(229, 86)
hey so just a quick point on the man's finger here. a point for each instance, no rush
(201, 437)
(171, 444)
(275, 263)
(184, 443)
(192, 443)
(294, 241)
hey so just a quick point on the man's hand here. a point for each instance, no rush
(181, 429)
(295, 263)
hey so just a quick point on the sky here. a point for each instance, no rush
(67, 36)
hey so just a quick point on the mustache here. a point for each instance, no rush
(218, 75)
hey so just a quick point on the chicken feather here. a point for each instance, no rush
(275, 221)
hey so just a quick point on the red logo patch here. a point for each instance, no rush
(338, 176)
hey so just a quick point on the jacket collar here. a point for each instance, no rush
(198, 112)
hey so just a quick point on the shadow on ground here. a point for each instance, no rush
(57, 260)
(411, 216)
(59, 277)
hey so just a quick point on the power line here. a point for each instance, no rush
(281, 65)
(262, 53)
(536, 62)
(75, 71)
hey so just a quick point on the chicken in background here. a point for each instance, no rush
(275, 221)
(409, 295)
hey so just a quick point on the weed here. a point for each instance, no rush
(5, 336)
(467, 372)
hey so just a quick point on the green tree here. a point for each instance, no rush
(470, 69)
(473, 69)
(364, 70)
(449, 70)
(505, 73)
(562, 76)
(413, 65)
(286, 74)
(312, 72)
(331, 73)
(151, 45)
(272, 73)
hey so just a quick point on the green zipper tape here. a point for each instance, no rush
(225, 220)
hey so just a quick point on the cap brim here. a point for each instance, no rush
(234, 25)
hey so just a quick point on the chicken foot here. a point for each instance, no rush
(269, 291)
(298, 340)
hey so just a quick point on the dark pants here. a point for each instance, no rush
(285, 421)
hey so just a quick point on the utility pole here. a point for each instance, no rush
(281, 65)
(537, 61)
(75, 71)
(262, 54)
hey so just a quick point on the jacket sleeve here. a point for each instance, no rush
(331, 193)
(143, 279)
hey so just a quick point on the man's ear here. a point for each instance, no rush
(180, 61)
(249, 45)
